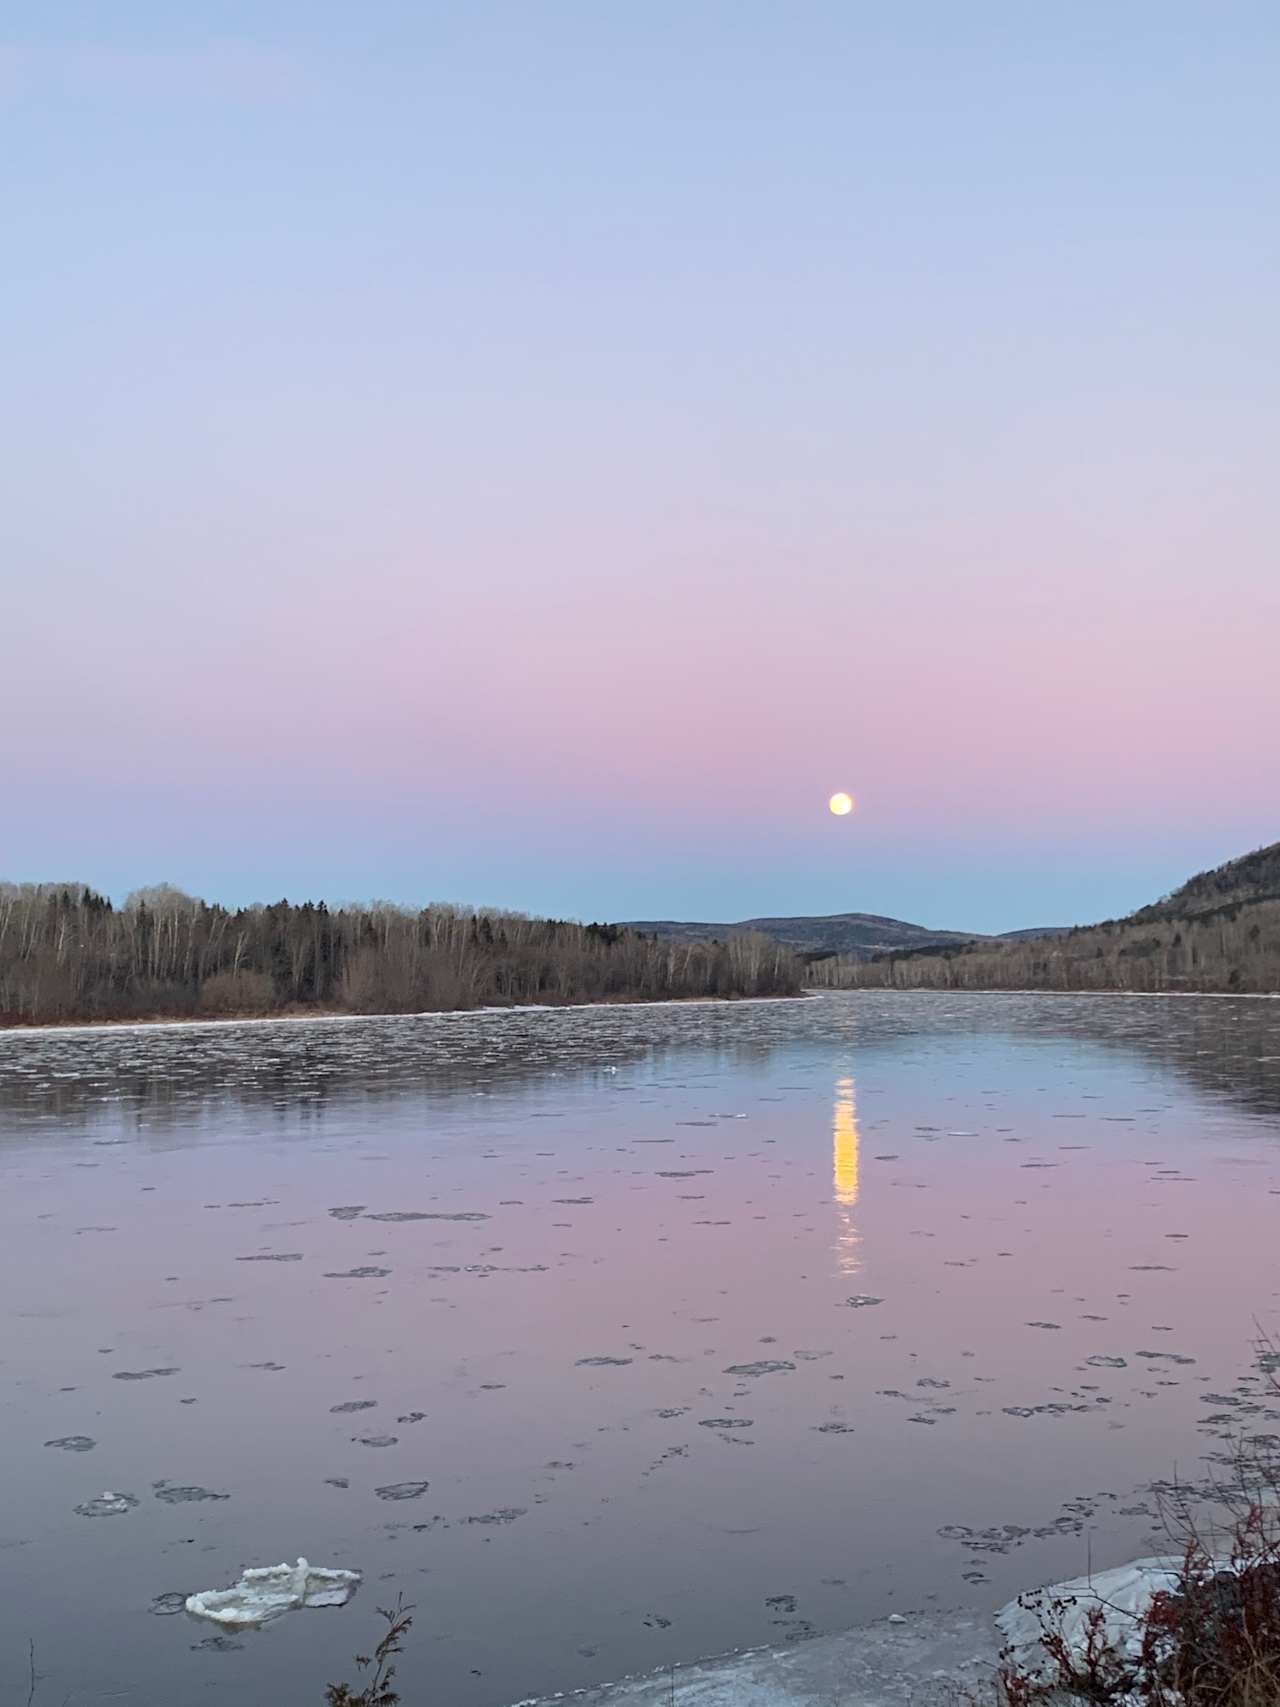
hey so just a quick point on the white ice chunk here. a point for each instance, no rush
(267, 1592)
(1118, 1600)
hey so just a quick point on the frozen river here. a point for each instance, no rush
(611, 1337)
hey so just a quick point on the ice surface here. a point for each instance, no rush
(639, 1435)
(269, 1591)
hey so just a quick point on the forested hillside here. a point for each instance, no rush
(1253, 877)
(69, 954)
(1220, 932)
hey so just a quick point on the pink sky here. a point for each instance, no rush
(540, 468)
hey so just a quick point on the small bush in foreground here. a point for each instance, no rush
(377, 1692)
(1211, 1638)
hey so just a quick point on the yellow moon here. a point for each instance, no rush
(841, 804)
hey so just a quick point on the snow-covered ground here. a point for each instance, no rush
(1110, 1605)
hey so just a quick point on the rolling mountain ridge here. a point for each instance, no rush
(1249, 881)
(859, 934)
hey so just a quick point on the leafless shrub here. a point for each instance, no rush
(378, 1691)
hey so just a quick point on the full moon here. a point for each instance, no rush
(841, 804)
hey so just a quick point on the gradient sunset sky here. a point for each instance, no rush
(534, 453)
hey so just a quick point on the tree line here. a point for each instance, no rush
(69, 954)
(1230, 949)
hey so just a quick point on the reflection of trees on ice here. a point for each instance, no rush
(844, 1175)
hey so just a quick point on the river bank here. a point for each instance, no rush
(330, 1016)
(891, 1663)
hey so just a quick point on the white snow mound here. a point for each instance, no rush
(1066, 1609)
(271, 1590)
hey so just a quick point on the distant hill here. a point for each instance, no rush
(1219, 932)
(861, 935)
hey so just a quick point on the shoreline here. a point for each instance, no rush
(333, 1016)
(1042, 1645)
(892, 1662)
(330, 1016)
(1032, 990)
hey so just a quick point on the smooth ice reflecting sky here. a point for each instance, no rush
(703, 1327)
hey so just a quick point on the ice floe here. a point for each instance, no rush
(107, 1505)
(270, 1591)
(402, 1491)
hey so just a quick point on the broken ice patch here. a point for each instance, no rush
(270, 1591)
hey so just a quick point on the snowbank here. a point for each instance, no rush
(1118, 1600)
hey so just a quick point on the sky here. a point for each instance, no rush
(533, 453)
